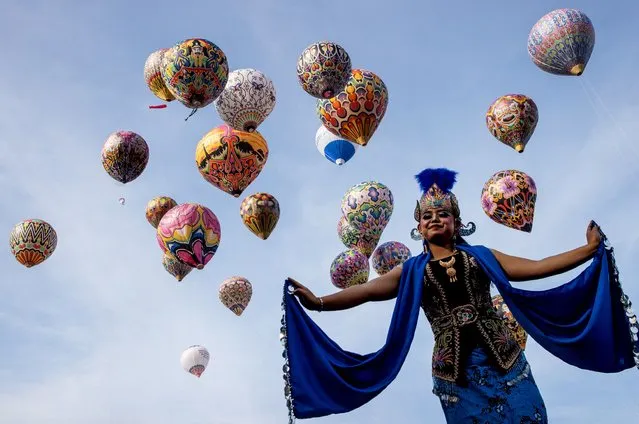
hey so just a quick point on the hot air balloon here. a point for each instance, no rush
(247, 100)
(368, 207)
(32, 241)
(334, 148)
(562, 41)
(388, 256)
(504, 313)
(153, 76)
(508, 198)
(157, 207)
(195, 71)
(191, 233)
(235, 293)
(125, 155)
(174, 267)
(349, 268)
(356, 111)
(260, 213)
(352, 239)
(323, 69)
(231, 159)
(512, 119)
(122, 201)
(195, 359)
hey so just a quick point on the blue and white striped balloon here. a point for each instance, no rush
(334, 148)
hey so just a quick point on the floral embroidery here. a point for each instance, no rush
(451, 323)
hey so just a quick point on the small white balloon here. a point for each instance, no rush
(195, 359)
(121, 200)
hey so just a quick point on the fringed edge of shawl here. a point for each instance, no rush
(633, 326)
(286, 369)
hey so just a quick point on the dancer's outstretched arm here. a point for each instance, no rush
(377, 289)
(522, 269)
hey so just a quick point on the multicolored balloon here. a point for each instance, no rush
(174, 267)
(125, 155)
(389, 255)
(247, 100)
(356, 111)
(260, 213)
(504, 313)
(323, 69)
(153, 76)
(508, 198)
(235, 293)
(195, 359)
(157, 208)
(349, 268)
(195, 71)
(334, 148)
(512, 119)
(562, 41)
(368, 207)
(352, 239)
(191, 233)
(32, 241)
(231, 159)
(347, 234)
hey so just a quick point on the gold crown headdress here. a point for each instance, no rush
(436, 185)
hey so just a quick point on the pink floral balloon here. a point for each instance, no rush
(389, 255)
(349, 268)
(191, 233)
(508, 198)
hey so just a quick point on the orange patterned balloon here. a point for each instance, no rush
(32, 241)
(157, 207)
(504, 313)
(235, 293)
(231, 159)
(260, 213)
(512, 119)
(356, 111)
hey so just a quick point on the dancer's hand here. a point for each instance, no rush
(593, 235)
(305, 296)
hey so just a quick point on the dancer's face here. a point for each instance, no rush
(437, 225)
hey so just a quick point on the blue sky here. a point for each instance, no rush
(95, 333)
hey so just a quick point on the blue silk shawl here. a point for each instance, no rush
(587, 322)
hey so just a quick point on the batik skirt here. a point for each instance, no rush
(492, 397)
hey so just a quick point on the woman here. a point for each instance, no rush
(479, 371)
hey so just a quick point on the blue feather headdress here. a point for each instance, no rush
(444, 178)
(436, 185)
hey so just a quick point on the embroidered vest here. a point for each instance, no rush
(458, 305)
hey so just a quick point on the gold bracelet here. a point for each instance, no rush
(321, 305)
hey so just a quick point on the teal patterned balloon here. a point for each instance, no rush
(352, 239)
(349, 268)
(562, 41)
(368, 207)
